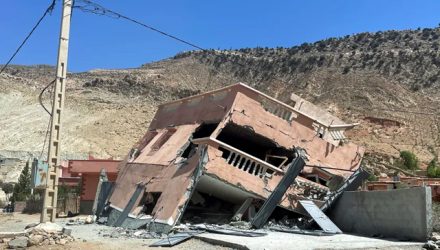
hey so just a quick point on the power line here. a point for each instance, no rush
(40, 96)
(45, 137)
(48, 10)
(40, 99)
(92, 7)
(95, 8)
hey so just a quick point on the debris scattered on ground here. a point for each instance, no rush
(89, 219)
(296, 230)
(84, 220)
(175, 239)
(18, 242)
(42, 234)
(120, 232)
(434, 242)
(47, 227)
(228, 230)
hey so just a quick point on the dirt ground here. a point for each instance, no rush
(94, 236)
(91, 236)
(129, 244)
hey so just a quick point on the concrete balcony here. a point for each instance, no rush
(241, 160)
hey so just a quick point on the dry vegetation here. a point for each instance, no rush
(376, 75)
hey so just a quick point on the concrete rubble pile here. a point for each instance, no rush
(43, 234)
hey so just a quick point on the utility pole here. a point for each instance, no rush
(53, 159)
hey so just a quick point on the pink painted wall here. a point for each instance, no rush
(90, 184)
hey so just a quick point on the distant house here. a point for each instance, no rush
(205, 155)
(387, 183)
(86, 173)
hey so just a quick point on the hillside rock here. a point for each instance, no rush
(388, 81)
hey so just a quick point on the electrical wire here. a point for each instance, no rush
(40, 96)
(95, 8)
(45, 137)
(40, 99)
(91, 7)
(48, 11)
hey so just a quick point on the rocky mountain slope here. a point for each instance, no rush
(387, 81)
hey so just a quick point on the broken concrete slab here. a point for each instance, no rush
(319, 217)
(48, 227)
(280, 240)
(228, 231)
(19, 242)
(299, 231)
(174, 239)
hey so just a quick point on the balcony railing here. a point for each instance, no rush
(241, 160)
(277, 109)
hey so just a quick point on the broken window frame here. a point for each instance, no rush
(282, 164)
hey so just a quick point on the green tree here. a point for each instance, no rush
(409, 160)
(22, 190)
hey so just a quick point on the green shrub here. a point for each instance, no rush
(433, 169)
(409, 160)
(372, 177)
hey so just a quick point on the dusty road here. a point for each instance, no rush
(91, 236)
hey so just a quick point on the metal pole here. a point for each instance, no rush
(53, 160)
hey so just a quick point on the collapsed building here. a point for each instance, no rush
(206, 155)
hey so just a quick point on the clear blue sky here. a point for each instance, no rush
(102, 42)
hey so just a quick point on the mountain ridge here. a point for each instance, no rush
(366, 78)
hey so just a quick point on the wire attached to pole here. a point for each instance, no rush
(40, 99)
(40, 96)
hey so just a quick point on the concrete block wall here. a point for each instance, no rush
(404, 214)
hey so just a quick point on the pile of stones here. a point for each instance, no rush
(42, 234)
